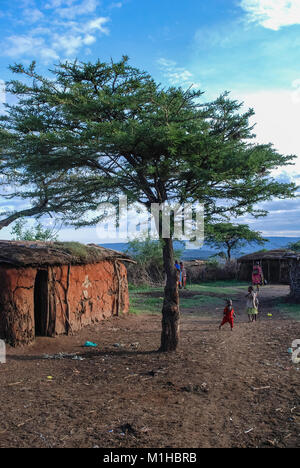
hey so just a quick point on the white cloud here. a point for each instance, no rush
(83, 8)
(48, 54)
(67, 43)
(68, 27)
(166, 63)
(277, 115)
(89, 39)
(70, 44)
(58, 3)
(78, 35)
(175, 75)
(116, 5)
(273, 14)
(33, 15)
(98, 24)
(2, 92)
(20, 46)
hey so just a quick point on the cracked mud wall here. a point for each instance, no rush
(17, 305)
(92, 295)
(78, 295)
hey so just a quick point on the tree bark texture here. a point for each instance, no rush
(170, 311)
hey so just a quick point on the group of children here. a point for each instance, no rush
(251, 307)
(252, 296)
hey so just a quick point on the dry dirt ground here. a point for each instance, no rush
(221, 389)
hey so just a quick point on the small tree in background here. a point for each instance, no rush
(21, 231)
(228, 237)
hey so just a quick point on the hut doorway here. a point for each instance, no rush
(41, 304)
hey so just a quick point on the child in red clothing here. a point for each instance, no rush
(228, 315)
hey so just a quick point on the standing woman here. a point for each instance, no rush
(257, 275)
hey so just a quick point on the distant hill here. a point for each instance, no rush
(205, 252)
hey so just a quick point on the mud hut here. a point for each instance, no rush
(295, 276)
(275, 265)
(47, 289)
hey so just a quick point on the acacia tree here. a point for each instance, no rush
(104, 129)
(229, 237)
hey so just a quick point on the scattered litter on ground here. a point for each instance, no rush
(261, 388)
(90, 344)
(249, 430)
(63, 356)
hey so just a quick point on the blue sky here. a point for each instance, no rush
(249, 47)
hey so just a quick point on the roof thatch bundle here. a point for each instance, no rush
(37, 253)
(279, 254)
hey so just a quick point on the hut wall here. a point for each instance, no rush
(245, 271)
(17, 304)
(271, 270)
(295, 279)
(275, 271)
(74, 296)
(90, 294)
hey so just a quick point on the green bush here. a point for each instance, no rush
(294, 246)
(149, 257)
(20, 231)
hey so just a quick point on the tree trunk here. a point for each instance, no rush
(229, 254)
(170, 310)
(229, 247)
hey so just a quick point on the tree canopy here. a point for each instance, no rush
(97, 130)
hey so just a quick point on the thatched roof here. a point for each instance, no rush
(280, 254)
(29, 253)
